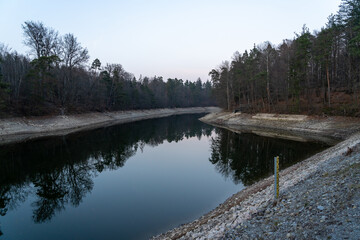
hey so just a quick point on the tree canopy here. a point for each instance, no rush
(312, 73)
(57, 80)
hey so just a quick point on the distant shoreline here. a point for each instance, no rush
(330, 130)
(14, 130)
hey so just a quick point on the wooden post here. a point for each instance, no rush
(276, 177)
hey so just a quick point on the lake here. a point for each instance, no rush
(130, 181)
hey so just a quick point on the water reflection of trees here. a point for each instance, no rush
(61, 169)
(247, 158)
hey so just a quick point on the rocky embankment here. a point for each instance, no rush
(323, 204)
(21, 129)
(319, 197)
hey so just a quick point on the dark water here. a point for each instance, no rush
(130, 181)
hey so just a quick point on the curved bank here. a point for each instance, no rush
(22, 129)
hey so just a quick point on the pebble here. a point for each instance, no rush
(320, 208)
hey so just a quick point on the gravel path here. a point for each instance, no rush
(319, 199)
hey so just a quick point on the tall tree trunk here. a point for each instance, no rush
(227, 93)
(328, 82)
(287, 85)
(239, 92)
(268, 82)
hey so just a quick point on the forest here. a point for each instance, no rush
(55, 78)
(314, 73)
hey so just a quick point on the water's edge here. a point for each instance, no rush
(239, 207)
(14, 130)
(330, 130)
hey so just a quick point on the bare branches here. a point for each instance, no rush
(43, 41)
(73, 53)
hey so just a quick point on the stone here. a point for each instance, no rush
(320, 208)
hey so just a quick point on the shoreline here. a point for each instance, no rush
(238, 215)
(234, 218)
(13, 130)
(330, 130)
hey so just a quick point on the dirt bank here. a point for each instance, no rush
(21, 129)
(307, 203)
(295, 127)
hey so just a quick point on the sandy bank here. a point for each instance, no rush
(21, 129)
(248, 213)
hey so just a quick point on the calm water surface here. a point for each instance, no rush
(130, 181)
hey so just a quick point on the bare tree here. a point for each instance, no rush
(43, 41)
(73, 53)
(268, 54)
(225, 71)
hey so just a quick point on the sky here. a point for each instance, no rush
(174, 38)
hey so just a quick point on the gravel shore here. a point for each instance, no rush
(319, 197)
(324, 205)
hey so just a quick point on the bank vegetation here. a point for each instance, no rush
(57, 78)
(312, 73)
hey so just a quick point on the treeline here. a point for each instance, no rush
(313, 73)
(57, 80)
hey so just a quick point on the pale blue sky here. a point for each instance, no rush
(183, 39)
